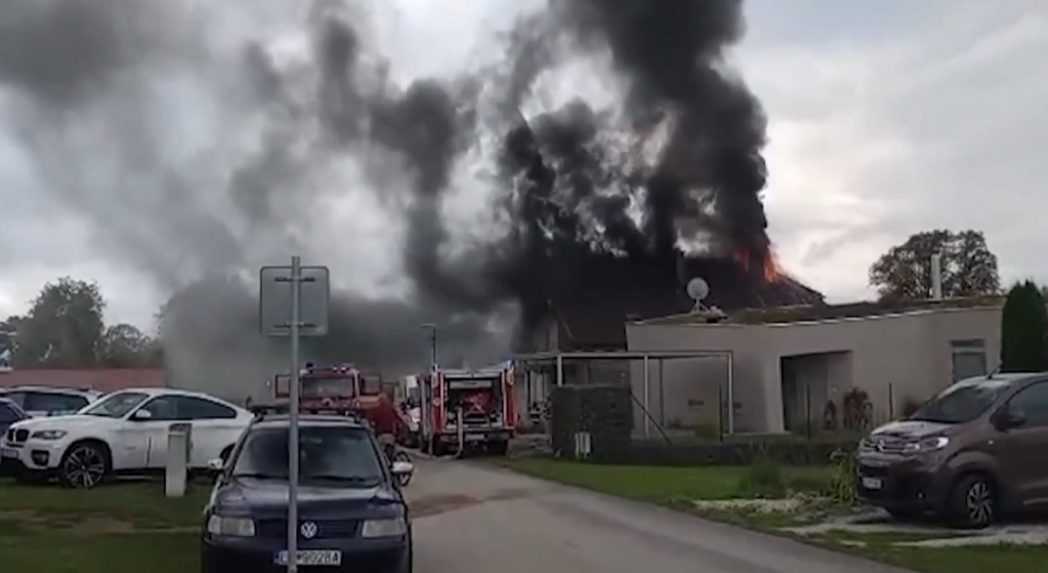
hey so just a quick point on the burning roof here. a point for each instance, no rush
(590, 315)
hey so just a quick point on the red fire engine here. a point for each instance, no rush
(343, 387)
(483, 399)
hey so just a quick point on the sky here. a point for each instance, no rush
(884, 119)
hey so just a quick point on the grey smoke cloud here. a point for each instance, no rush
(203, 150)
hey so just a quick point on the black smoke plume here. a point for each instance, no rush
(619, 203)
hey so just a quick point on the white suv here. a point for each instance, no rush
(125, 432)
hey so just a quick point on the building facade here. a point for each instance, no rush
(791, 364)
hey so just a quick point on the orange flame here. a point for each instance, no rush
(769, 264)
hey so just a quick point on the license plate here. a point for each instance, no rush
(8, 453)
(475, 437)
(872, 483)
(312, 557)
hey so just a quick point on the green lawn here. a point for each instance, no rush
(1003, 558)
(118, 528)
(662, 484)
(671, 485)
(966, 559)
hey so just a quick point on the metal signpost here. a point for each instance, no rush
(283, 291)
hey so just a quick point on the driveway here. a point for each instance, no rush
(473, 518)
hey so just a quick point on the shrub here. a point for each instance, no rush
(763, 480)
(1024, 330)
(842, 479)
(909, 406)
(857, 409)
(829, 417)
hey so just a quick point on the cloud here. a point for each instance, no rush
(884, 120)
(886, 126)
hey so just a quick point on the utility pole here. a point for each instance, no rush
(433, 341)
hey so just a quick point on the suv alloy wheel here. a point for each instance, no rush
(84, 466)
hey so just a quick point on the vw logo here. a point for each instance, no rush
(308, 529)
(880, 446)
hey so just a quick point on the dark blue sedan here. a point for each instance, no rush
(351, 517)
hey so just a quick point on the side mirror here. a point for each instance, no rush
(403, 469)
(142, 416)
(216, 464)
(1010, 418)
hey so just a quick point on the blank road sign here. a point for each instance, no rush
(275, 301)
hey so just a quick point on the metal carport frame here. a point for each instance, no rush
(559, 357)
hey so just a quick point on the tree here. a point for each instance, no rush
(124, 346)
(1024, 330)
(968, 266)
(63, 328)
(8, 329)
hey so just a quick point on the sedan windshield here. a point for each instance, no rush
(116, 405)
(341, 455)
(961, 402)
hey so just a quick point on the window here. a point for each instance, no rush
(200, 409)
(1033, 404)
(8, 414)
(961, 402)
(16, 397)
(53, 403)
(332, 455)
(163, 408)
(116, 405)
(969, 358)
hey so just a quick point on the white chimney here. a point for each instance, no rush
(937, 276)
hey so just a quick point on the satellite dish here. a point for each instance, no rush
(698, 290)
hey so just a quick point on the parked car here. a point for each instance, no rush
(351, 513)
(43, 401)
(10, 413)
(971, 453)
(125, 432)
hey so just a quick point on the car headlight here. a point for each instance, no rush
(384, 527)
(48, 435)
(926, 445)
(232, 526)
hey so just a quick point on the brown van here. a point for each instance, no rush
(978, 449)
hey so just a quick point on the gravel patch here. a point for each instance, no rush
(877, 521)
(787, 505)
(1004, 535)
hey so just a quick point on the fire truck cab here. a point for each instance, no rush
(343, 387)
(484, 398)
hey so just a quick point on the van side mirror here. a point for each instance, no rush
(216, 464)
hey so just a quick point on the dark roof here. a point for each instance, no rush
(598, 322)
(595, 320)
(816, 312)
(101, 379)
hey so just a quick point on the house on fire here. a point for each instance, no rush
(791, 362)
(591, 316)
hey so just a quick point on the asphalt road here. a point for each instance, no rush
(473, 518)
